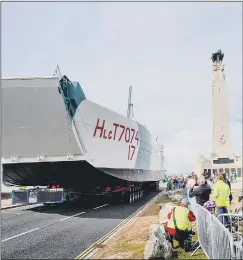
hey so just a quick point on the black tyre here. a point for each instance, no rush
(130, 198)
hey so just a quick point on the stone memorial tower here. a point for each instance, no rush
(222, 158)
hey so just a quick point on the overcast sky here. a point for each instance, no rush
(162, 49)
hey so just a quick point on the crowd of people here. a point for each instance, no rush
(175, 182)
(213, 193)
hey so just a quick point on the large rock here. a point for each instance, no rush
(165, 209)
(157, 246)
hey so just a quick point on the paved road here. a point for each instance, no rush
(59, 232)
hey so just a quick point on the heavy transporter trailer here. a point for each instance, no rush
(49, 196)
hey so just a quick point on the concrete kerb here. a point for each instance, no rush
(94, 249)
(21, 205)
(13, 206)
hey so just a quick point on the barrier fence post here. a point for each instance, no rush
(212, 237)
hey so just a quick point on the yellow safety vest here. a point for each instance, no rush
(181, 218)
(221, 193)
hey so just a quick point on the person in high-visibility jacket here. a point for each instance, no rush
(179, 225)
(221, 196)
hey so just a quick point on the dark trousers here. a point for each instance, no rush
(222, 210)
(184, 239)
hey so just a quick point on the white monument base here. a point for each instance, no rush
(219, 165)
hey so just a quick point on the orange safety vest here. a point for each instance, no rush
(181, 218)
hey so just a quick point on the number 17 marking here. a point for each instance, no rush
(131, 150)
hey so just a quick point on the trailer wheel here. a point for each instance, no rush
(130, 198)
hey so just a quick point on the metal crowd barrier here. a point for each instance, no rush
(37, 196)
(232, 221)
(238, 249)
(214, 238)
(50, 196)
(20, 197)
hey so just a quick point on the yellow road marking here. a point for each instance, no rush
(89, 249)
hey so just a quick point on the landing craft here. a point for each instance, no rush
(52, 134)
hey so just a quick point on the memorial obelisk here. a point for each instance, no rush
(222, 158)
(221, 146)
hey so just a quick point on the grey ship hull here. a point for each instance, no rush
(43, 145)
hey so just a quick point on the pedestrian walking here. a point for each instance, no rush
(221, 193)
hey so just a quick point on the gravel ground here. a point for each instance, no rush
(55, 233)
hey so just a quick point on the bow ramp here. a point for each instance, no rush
(36, 124)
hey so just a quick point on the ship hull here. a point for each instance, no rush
(79, 175)
(113, 141)
(43, 143)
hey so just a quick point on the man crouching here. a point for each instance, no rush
(178, 225)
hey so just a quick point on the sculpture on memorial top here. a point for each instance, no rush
(217, 56)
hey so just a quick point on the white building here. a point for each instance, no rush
(222, 158)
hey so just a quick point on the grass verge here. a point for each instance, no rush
(130, 242)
